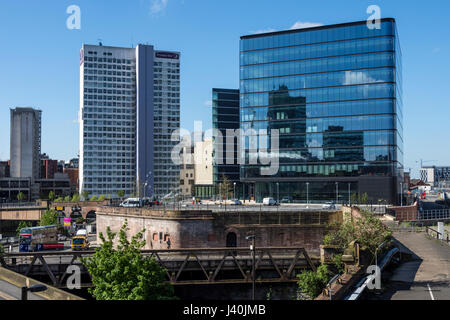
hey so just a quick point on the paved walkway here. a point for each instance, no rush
(426, 276)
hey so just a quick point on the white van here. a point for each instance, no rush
(131, 203)
(269, 201)
(81, 232)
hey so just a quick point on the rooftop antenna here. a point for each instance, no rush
(100, 42)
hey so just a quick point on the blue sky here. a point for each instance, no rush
(39, 57)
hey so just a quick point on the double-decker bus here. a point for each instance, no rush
(39, 238)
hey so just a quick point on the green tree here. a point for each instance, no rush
(123, 273)
(225, 187)
(312, 283)
(120, 194)
(85, 195)
(367, 230)
(80, 220)
(101, 197)
(51, 195)
(67, 198)
(20, 196)
(76, 197)
(59, 199)
(49, 217)
(23, 224)
(93, 198)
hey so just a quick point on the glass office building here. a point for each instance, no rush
(334, 94)
(225, 116)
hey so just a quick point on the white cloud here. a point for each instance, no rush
(302, 25)
(158, 5)
(263, 31)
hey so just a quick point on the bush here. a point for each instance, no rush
(59, 199)
(67, 198)
(101, 198)
(93, 198)
(312, 283)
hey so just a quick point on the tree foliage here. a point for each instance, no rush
(23, 224)
(312, 283)
(51, 195)
(85, 195)
(20, 196)
(120, 194)
(225, 188)
(102, 197)
(367, 230)
(123, 273)
(359, 198)
(93, 198)
(76, 197)
(49, 217)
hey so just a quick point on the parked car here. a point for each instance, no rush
(131, 203)
(286, 200)
(329, 206)
(269, 201)
(235, 202)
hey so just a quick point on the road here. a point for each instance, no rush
(426, 276)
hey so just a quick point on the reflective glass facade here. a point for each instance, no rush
(225, 116)
(334, 93)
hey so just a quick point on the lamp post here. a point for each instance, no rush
(376, 261)
(307, 193)
(234, 190)
(252, 249)
(401, 194)
(34, 288)
(337, 192)
(278, 192)
(330, 283)
(349, 193)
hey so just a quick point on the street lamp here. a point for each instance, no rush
(330, 283)
(376, 261)
(34, 288)
(252, 249)
(278, 192)
(145, 187)
(234, 190)
(349, 194)
(307, 193)
(401, 194)
(337, 192)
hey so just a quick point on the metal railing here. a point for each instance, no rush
(19, 205)
(436, 234)
(434, 214)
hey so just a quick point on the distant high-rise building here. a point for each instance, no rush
(130, 105)
(25, 147)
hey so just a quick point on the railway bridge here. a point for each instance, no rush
(186, 269)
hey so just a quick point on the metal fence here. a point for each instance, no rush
(439, 236)
(18, 205)
(434, 214)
